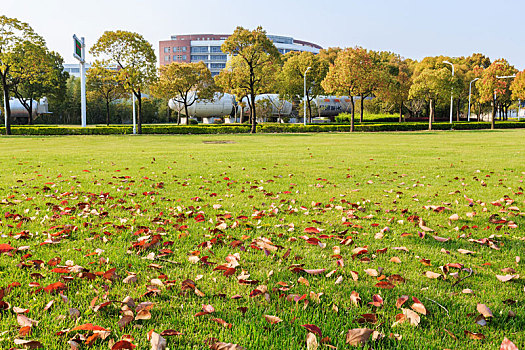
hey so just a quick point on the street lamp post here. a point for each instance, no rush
(304, 114)
(469, 92)
(451, 93)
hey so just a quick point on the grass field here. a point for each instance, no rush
(291, 226)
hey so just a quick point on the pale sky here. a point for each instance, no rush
(412, 28)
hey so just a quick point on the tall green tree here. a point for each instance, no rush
(493, 89)
(292, 77)
(395, 80)
(353, 73)
(106, 84)
(185, 83)
(135, 58)
(12, 33)
(258, 53)
(235, 79)
(518, 86)
(35, 73)
(431, 85)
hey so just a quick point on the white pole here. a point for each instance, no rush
(134, 117)
(83, 84)
(304, 114)
(469, 92)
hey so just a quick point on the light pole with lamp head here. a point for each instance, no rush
(304, 114)
(451, 93)
(469, 92)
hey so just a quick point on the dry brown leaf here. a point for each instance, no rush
(412, 317)
(507, 278)
(358, 336)
(303, 280)
(143, 315)
(29, 344)
(272, 319)
(157, 341)
(355, 275)
(130, 279)
(125, 320)
(354, 297)
(372, 272)
(507, 345)
(432, 275)
(484, 310)
(25, 321)
(311, 341)
(401, 300)
(395, 259)
(475, 336)
(465, 251)
(225, 346)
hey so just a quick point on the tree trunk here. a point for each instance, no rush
(431, 115)
(457, 110)
(479, 111)
(30, 114)
(139, 116)
(178, 116)
(362, 110)
(353, 113)
(7, 111)
(253, 114)
(401, 112)
(107, 112)
(186, 112)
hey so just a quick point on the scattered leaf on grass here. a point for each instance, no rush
(272, 319)
(311, 341)
(484, 310)
(358, 336)
(475, 336)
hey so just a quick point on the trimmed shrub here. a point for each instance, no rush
(241, 129)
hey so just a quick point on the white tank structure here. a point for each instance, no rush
(19, 112)
(279, 108)
(208, 110)
(330, 106)
(224, 105)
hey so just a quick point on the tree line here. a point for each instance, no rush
(28, 70)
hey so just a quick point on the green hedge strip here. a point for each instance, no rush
(262, 128)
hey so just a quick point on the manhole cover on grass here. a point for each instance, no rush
(218, 141)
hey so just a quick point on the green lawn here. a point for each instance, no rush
(174, 208)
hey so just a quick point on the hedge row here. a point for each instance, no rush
(263, 128)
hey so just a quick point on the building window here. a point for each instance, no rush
(219, 57)
(215, 49)
(217, 65)
(184, 49)
(166, 50)
(196, 58)
(184, 57)
(199, 49)
(166, 58)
